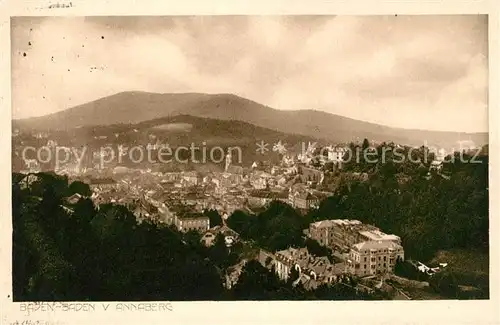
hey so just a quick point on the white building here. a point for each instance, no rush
(336, 154)
(374, 257)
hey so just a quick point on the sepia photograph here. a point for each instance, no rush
(250, 158)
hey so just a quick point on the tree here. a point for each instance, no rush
(240, 222)
(365, 145)
(258, 283)
(316, 249)
(219, 252)
(328, 166)
(215, 218)
(293, 276)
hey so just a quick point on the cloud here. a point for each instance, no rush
(427, 72)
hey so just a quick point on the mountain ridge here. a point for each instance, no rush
(138, 106)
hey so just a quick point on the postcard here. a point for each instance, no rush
(249, 163)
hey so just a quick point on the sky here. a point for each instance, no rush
(418, 72)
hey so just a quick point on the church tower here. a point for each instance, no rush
(228, 161)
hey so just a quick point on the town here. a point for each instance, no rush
(183, 198)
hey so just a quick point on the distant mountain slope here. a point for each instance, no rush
(134, 107)
(178, 131)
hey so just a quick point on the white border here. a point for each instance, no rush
(393, 312)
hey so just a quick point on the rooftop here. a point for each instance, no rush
(335, 222)
(101, 181)
(376, 245)
(268, 194)
(193, 215)
(235, 169)
(378, 235)
(321, 266)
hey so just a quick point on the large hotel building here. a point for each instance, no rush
(367, 249)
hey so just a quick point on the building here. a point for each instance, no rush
(369, 250)
(288, 160)
(335, 234)
(141, 213)
(73, 199)
(41, 135)
(192, 179)
(32, 166)
(306, 201)
(260, 180)
(165, 215)
(102, 184)
(308, 174)
(53, 144)
(28, 180)
(436, 165)
(192, 221)
(303, 200)
(234, 169)
(341, 235)
(374, 257)
(312, 271)
(440, 154)
(377, 235)
(208, 238)
(233, 274)
(336, 154)
(230, 236)
(260, 198)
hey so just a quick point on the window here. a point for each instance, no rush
(365, 259)
(385, 265)
(373, 266)
(379, 258)
(385, 258)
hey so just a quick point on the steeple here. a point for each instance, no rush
(228, 161)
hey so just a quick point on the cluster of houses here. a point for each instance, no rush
(361, 250)
(311, 271)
